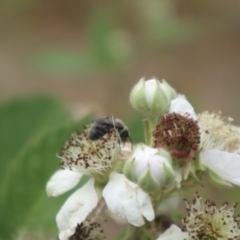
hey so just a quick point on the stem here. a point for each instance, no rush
(149, 125)
(147, 132)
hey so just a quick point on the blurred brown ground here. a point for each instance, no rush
(206, 68)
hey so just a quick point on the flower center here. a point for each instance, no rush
(177, 133)
(218, 133)
(90, 157)
(207, 222)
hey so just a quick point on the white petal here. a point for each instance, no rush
(62, 181)
(127, 200)
(173, 233)
(224, 164)
(151, 86)
(144, 203)
(182, 106)
(76, 209)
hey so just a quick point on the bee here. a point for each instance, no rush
(103, 125)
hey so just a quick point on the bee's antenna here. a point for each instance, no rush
(113, 121)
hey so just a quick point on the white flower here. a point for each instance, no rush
(178, 132)
(96, 159)
(226, 165)
(76, 209)
(149, 167)
(93, 158)
(182, 106)
(205, 221)
(62, 181)
(220, 142)
(127, 200)
(173, 233)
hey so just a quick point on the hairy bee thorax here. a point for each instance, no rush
(103, 125)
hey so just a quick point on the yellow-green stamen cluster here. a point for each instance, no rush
(90, 157)
(218, 133)
(207, 222)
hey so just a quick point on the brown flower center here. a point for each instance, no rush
(179, 134)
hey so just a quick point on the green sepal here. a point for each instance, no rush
(128, 169)
(159, 104)
(148, 183)
(218, 180)
(137, 96)
(171, 92)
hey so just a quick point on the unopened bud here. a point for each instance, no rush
(152, 97)
(150, 168)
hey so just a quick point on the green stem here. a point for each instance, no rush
(149, 125)
(147, 132)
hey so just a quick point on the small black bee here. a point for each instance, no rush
(103, 125)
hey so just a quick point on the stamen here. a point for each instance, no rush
(88, 230)
(90, 157)
(218, 133)
(178, 133)
(205, 221)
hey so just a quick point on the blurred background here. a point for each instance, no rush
(60, 60)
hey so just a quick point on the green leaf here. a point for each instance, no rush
(21, 119)
(24, 202)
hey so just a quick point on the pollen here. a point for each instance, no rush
(90, 157)
(88, 230)
(218, 133)
(179, 134)
(207, 222)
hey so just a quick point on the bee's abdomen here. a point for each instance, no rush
(97, 132)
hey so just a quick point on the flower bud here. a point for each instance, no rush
(150, 168)
(152, 97)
